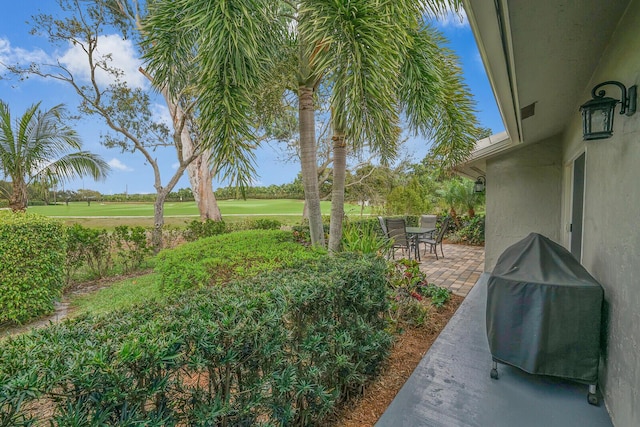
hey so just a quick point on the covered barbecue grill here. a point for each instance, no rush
(544, 313)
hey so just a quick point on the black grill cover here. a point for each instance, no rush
(543, 311)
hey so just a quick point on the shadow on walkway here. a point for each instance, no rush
(451, 386)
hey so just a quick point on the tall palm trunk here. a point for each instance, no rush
(337, 192)
(18, 200)
(308, 163)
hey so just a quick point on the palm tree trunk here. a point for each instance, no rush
(337, 192)
(308, 163)
(18, 200)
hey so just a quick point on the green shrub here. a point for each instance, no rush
(281, 349)
(472, 230)
(364, 237)
(405, 279)
(302, 233)
(197, 229)
(131, 246)
(254, 224)
(32, 254)
(216, 259)
(439, 295)
(87, 247)
(265, 224)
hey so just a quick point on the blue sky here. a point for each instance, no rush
(129, 173)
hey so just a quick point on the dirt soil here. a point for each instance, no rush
(406, 353)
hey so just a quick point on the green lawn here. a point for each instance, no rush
(109, 215)
(184, 209)
(121, 294)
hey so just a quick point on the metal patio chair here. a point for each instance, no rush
(396, 229)
(433, 242)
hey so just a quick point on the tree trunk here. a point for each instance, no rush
(337, 192)
(308, 163)
(158, 220)
(200, 177)
(18, 200)
(199, 171)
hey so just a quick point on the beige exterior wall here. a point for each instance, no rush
(523, 196)
(611, 232)
(530, 189)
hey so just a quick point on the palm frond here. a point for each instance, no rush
(227, 51)
(73, 165)
(435, 100)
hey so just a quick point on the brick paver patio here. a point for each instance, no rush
(458, 271)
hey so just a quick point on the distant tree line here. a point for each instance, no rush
(407, 189)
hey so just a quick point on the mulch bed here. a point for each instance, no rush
(407, 351)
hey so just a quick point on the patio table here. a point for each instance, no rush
(414, 233)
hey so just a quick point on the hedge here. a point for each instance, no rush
(32, 258)
(280, 349)
(240, 254)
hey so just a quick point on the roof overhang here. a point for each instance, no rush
(539, 57)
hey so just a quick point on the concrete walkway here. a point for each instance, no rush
(451, 386)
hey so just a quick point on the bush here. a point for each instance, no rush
(408, 287)
(282, 349)
(302, 232)
(471, 231)
(88, 247)
(131, 246)
(32, 254)
(254, 224)
(215, 260)
(364, 237)
(197, 229)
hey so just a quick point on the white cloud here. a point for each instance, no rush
(15, 55)
(175, 166)
(118, 165)
(161, 114)
(453, 19)
(116, 52)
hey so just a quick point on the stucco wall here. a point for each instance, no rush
(611, 233)
(523, 196)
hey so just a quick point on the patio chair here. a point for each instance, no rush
(383, 226)
(427, 221)
(397, 232)
(433, 242)
(388, 251)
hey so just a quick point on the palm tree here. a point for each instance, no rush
(382, 62)
(468, 197)
(362, 50)
(245, 48)
(42, 148)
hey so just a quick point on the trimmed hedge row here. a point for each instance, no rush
(216, 259)
(280, 349)
(32, 256)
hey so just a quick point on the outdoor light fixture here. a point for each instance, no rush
(597, 113)
(480, 184)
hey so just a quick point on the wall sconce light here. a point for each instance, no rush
(480, 185)
(597, 113)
